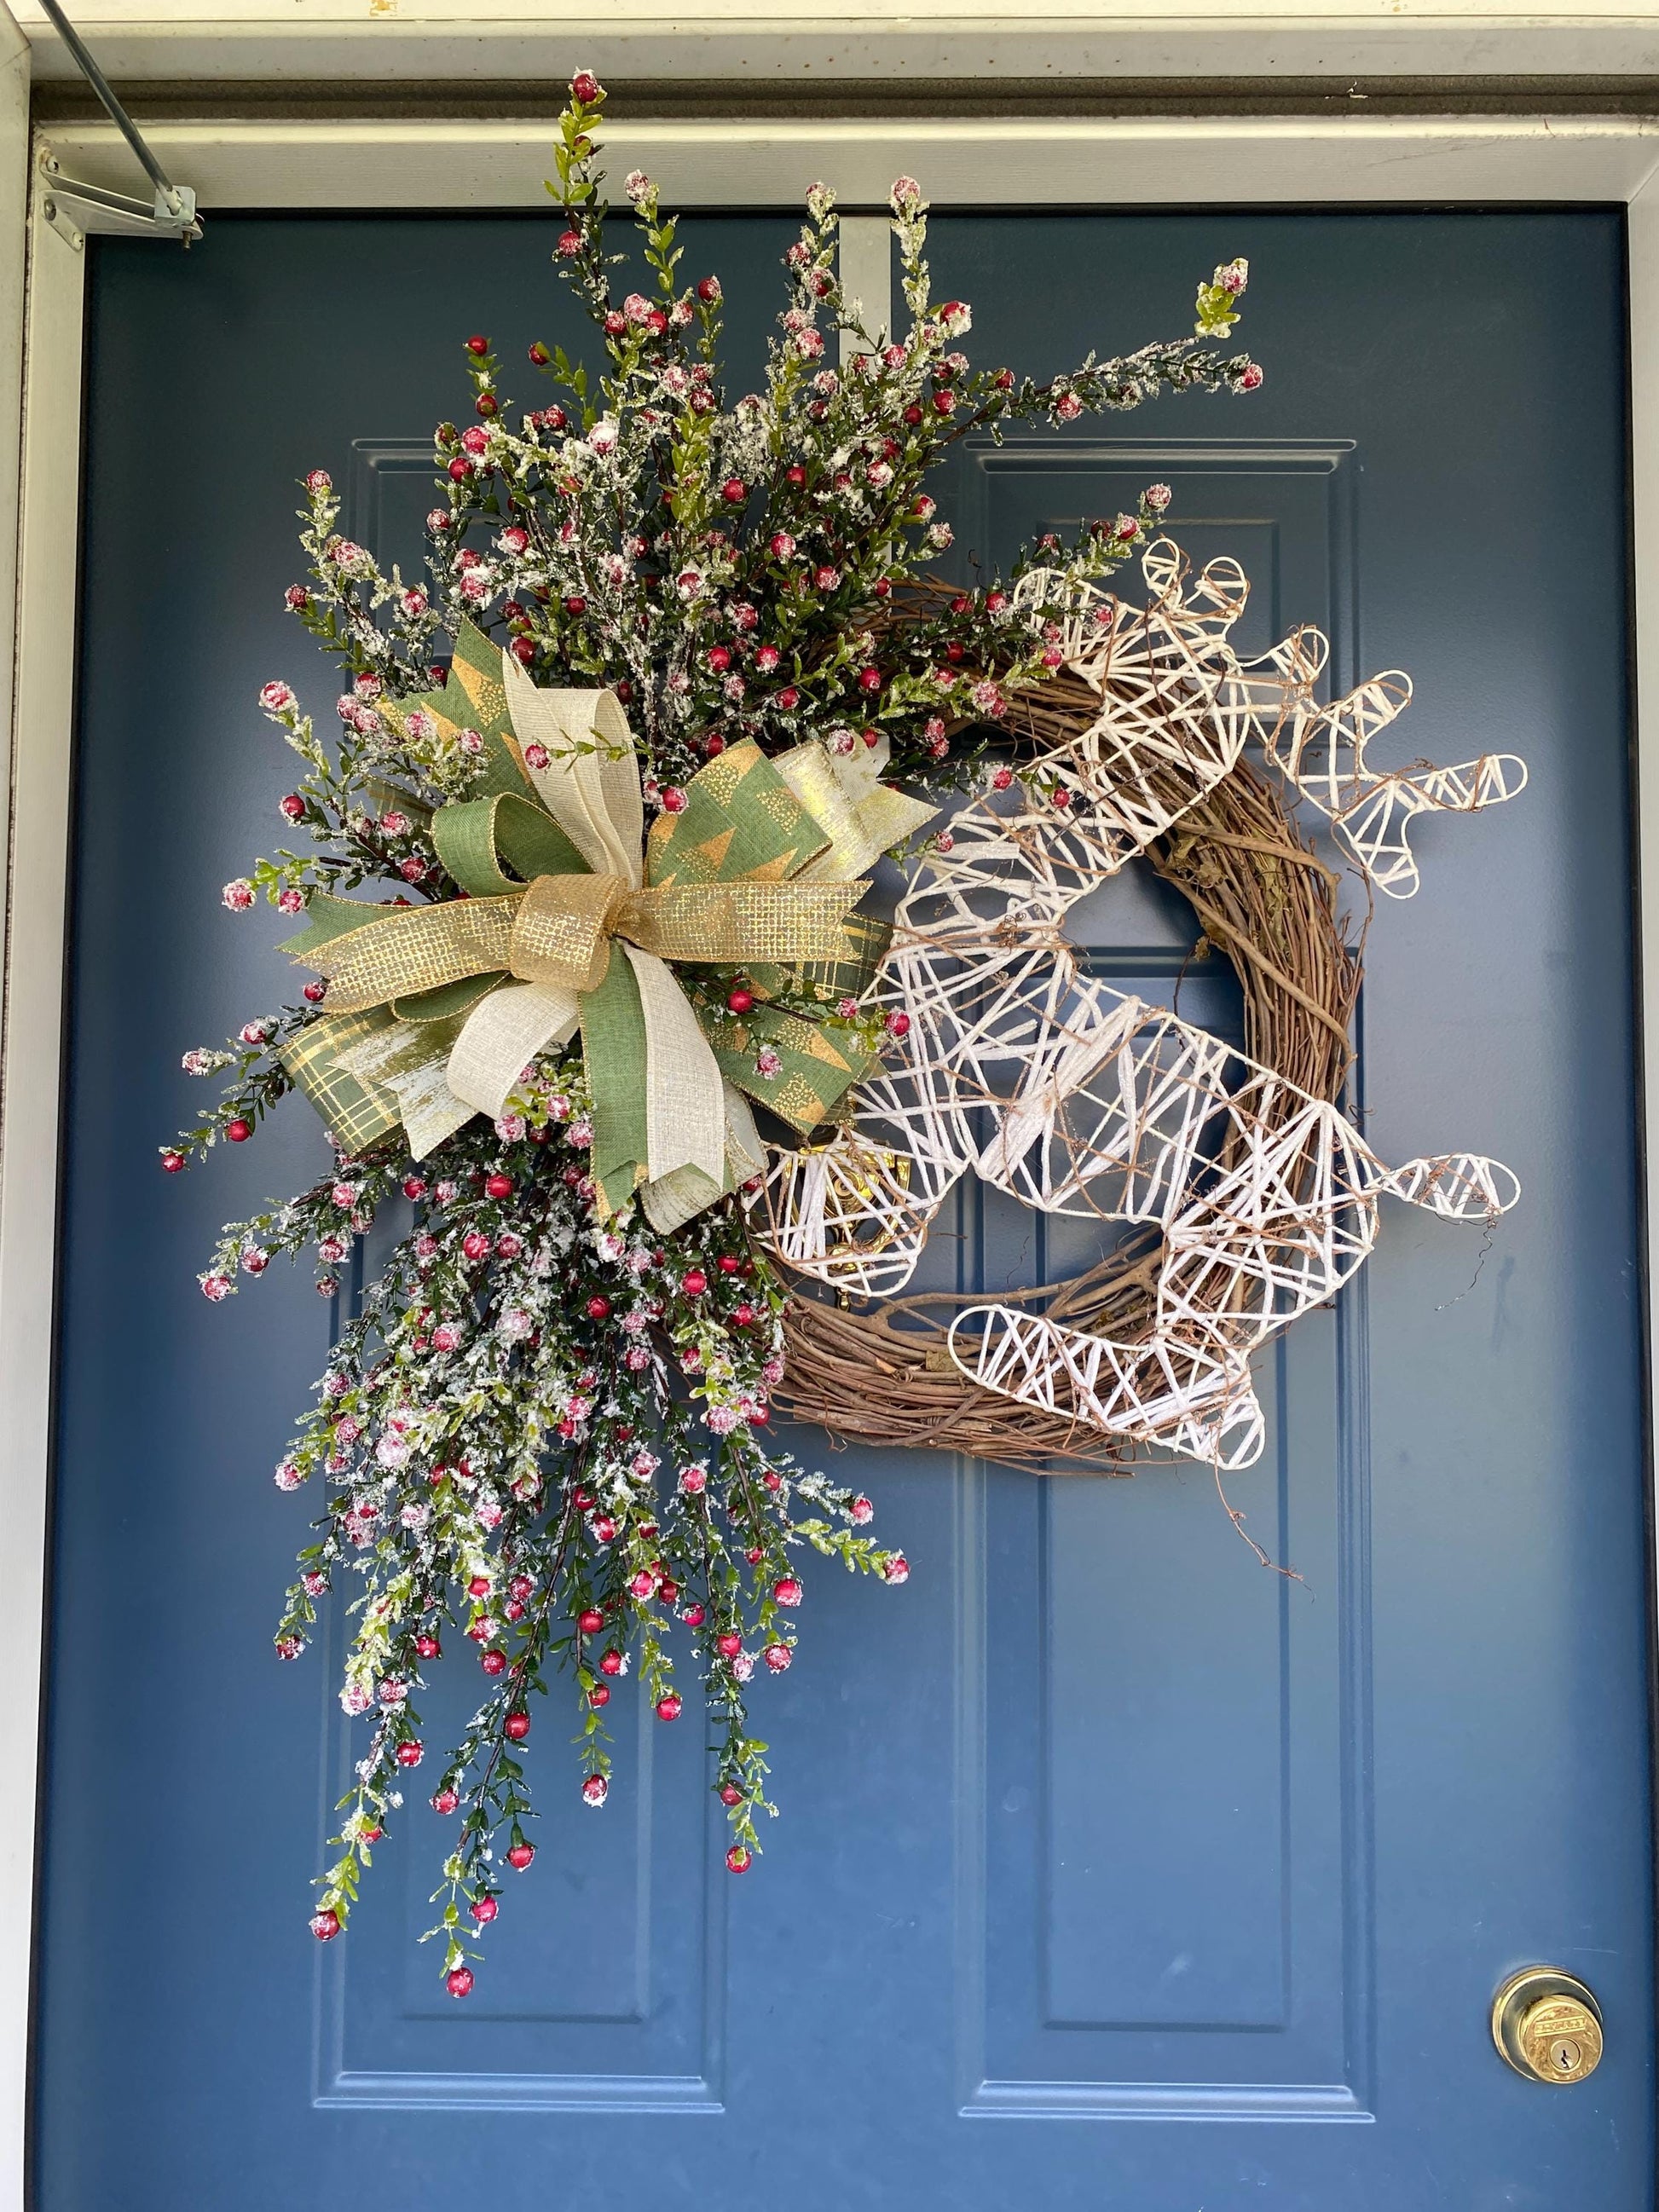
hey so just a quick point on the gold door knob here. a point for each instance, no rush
(1547, 2026)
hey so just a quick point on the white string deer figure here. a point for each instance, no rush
(1081, 1100)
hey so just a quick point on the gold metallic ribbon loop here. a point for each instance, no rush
(557, 928)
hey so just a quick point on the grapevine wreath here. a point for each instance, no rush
(596, 990)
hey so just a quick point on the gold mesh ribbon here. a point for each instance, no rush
(557, 929)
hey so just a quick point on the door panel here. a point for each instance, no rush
(1205, 1873)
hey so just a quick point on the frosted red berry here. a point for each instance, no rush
(520, 1856)
(410, 1753)
(517, 1726)
(459, 1982)
(239, 1131)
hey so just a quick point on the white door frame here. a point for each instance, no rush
(391, 165)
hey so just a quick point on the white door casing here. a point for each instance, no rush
(384, 165)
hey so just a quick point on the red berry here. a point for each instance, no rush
(788, 698)
(410, 1753)
(459, 1982)
(459, 470)
(668, 1708)
(315, 992)
(709, 289)
(239, 1131)
(600, 1695)
(590, 1622)
(869, 679)
(585, 87)
(729, 1263)
(292, 807)
(478, 1587)
(174, 1163)
(499, 1186)
(428, 1647)
(325, 1925)
(754, 1555)
(493, 1662)
(540, 354)
(604, 1527)
(898, 1025)
(479, 346)
(575, 604)
(737, 1859)
(483, 1910)
(693, 1616)
(414, 1186)
(728, 1646)
(734, 491)
(518, 1726)
(673, 800)
(611, 1662)
(729, 1794)
(743, 1317)
(694, 1282)
(521, 1587)
(739, 1001)
(445, 1801)
(599, 1308)
(523, 650)
(795, 476)
(520, 1856)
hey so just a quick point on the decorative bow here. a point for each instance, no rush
(571, 918)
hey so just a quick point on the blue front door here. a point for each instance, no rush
(1112, 1872)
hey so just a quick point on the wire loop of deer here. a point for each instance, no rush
(1244, 1193)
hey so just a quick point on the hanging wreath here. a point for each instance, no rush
(616, 1020)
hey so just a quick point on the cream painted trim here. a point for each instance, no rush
(1001, 162)
(728, 41)
(303, 164)
(42, 730)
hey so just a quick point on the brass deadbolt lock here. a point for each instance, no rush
(1547, 2026)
